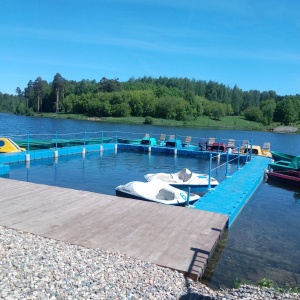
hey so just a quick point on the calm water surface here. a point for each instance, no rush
(263, 241)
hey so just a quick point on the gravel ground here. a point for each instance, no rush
(33, 267)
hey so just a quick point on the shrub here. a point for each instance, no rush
(148, 120)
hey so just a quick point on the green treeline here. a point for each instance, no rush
(173, 98)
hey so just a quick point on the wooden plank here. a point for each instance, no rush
(87, 225)
(173, 237)
(39, 199)
(199, 243)
(109, 230)
(56, 212)
(29, 201)
(135, 237)
(151, 239)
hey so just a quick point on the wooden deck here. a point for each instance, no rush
(175, 237)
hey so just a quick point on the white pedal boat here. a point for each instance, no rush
(185, 179)
(156, 191)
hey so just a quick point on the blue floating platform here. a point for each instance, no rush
(4, 169)
(185, 151)
(231, 195)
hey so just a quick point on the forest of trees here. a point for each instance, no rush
(163, 97)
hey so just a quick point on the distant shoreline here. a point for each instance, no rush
(237, 123)
(228, 123)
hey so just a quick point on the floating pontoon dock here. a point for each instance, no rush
(175, 237)
(231, 195)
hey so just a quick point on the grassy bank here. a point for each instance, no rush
(231, 122)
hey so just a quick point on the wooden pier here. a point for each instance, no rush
(179, 238)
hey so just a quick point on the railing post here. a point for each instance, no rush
(209, 171)
(251, 149)
(27, 155)
(188, 197)
(219, 140)
(238, 164)
(247, 152)
(101, 136)
(149, 144)
(227, 159)
(56, 140)
(116, 143)
(28, 143)
(84, 139)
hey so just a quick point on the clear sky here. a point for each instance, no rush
(254, 44)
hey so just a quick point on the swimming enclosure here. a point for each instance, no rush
(263, 240)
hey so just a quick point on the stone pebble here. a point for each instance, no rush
(34, 267)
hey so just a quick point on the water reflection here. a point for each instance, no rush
(261, 243)
(297, 197)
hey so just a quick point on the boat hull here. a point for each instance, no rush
(128, 195)
(289, 177)
(44, 144)
(129, 141)
(277, 167)
(282, 156)
(9, 146)
(193, 188)
(185, 180)
(283, 165)
(156, 191)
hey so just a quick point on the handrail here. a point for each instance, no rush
(85, 137)
(115, 135)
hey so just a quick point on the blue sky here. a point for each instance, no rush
(254, 44)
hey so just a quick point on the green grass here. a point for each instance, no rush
(225, 123)
(268, 283)
(62, 116)
(230, 122)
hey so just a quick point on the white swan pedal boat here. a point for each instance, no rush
(185, 179)
(156, 191)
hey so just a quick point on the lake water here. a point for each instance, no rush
(263, 241)
(102, 173)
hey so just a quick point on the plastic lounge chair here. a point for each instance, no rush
(231, 143)
(266, 146)
(187, 141)
(161, 139)
(245, 143)
(210, 143)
